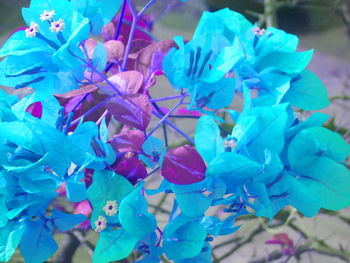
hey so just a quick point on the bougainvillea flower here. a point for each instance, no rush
(45, 60)
(132, 218)
(271, 64)
(292, 169)
(99, 13)
(32, 168)
(200, 66)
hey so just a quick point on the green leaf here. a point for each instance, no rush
(307, 92)
(186, 242)
(133, 214)
(234, 169)
(327, 180)
(114, 245)
(317, 141)
(287, 62)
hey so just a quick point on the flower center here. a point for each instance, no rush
(195, 61)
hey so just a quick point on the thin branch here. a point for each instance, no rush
(84, 243)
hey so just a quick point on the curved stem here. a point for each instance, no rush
(135, 19)
(168, 98)
(101, 118)
(163, 119)
(120, 20)
(174, 127)
(91, 110)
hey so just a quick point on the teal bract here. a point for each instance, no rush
(33, 164)
(44, 56)
(120, 214)
(99, 12)
(262, 60)
(293, 170)
(269, 158)
(202, 66)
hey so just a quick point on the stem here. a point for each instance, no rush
(165, 135)
(164, 118)
(185, 117)
(145, 8)
(67, 248)
(120, 20)
(131, 35)
(249, 239)
(85, 243)
(117, 32)
(101, 118)
(339, 97)
(145, 31)
(168, 98)
(155, 170)
(270, 10)
(160, 236)
(91, 110)
(133, 27)
(174, 127)
(99, 87)
(91, 66)
(80, 101)
(160, 203)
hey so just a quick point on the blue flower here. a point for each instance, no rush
(99, 12)
(43, 56)
(267, 62)
(277, 160)
(202, 67)
(128, 224)
(37, 156)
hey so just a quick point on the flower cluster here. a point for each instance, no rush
(61, 142)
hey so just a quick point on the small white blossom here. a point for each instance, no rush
(57, 26)
(32, 30)
(101, 224)
(111, 208)
(230, 143)
(47, 15)
(258, 31)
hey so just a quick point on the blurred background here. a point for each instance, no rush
(323, 25)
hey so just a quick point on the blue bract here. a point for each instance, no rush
(202, 66)
(92, 139)
(46, 56)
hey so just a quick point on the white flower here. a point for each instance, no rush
(111, 208)
(47, 16)
(258, 31)
(57, 26)
(32, 30)
(230, 144)
(101, 224)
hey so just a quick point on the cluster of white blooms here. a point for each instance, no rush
(32, 30)
(111, 208)
(56, 26)
(259, 31)
(230, 143)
